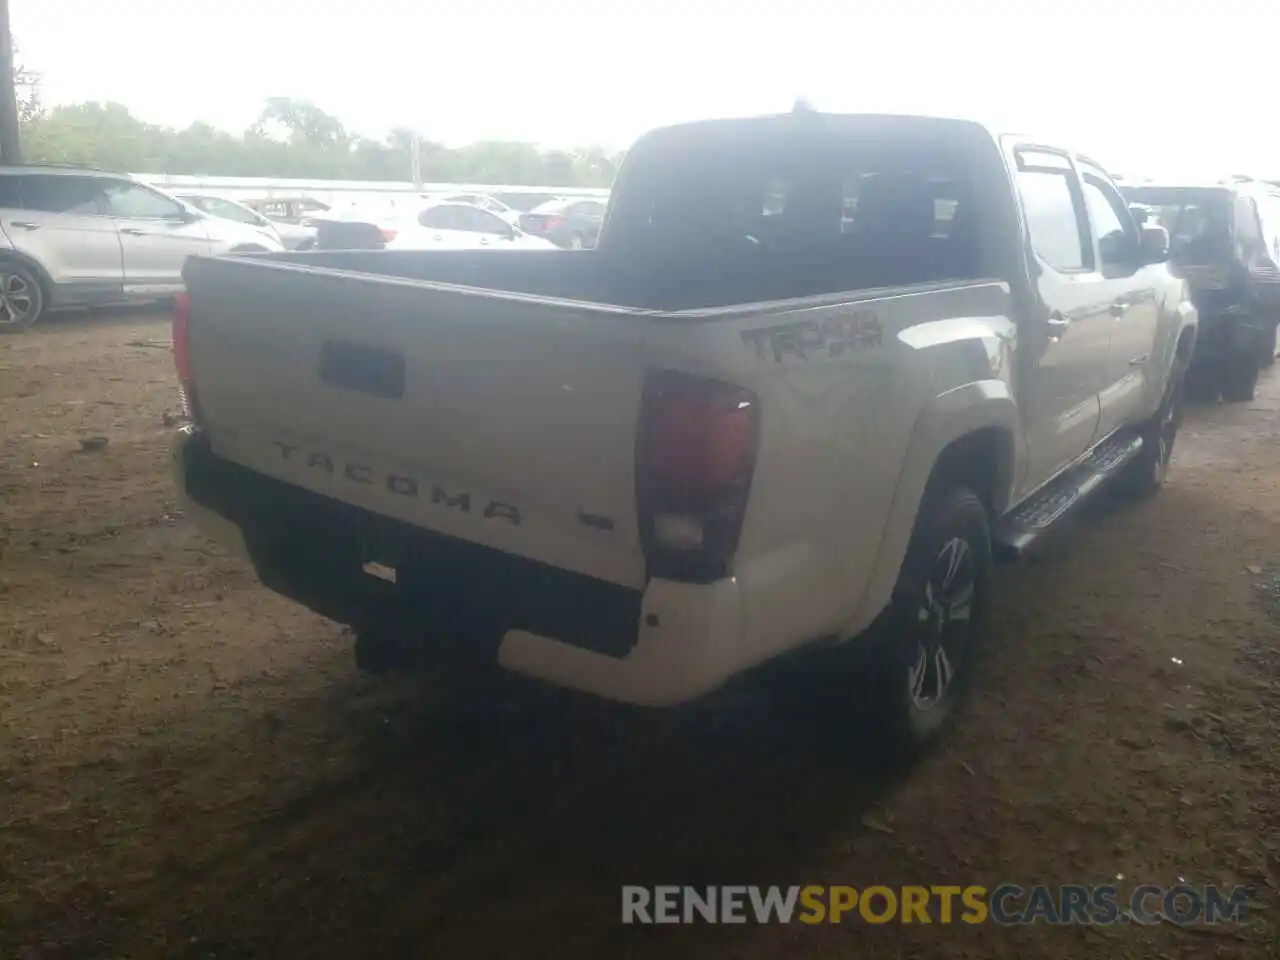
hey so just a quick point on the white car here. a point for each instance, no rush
(227, 209)
(461, 226)
(482, 200)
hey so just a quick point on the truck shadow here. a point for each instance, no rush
(392, 820)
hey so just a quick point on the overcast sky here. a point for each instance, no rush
(1174, 88)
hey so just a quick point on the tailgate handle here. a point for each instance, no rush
(377, 371)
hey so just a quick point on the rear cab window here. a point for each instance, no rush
(851, 203)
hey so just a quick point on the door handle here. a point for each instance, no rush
(24, 224)
(484, 241)
(1058, 325)
(1118, 309)
(133, 231)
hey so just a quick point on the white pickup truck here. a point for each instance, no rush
(820, 370)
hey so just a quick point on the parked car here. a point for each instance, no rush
(299, 211)
(724, 437)
(78, 237)
(292, 236)
(461, 226)
(1225, 238)
(482, 200)
(523, 200)
(570, 223)
(427, 226)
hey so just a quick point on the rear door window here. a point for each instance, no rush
(1053, 208)
(68, 195)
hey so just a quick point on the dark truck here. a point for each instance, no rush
(1225, 240)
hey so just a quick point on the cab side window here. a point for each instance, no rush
(1053, 208)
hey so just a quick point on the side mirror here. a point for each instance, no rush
(187, 215)
(1153, 246)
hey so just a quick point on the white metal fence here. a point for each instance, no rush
(339, 191)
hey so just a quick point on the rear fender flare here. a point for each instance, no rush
(983, 404)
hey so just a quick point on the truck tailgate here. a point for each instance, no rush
(505, 421)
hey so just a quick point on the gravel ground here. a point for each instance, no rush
(191, 767)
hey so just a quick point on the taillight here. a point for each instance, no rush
(552, 223)
(695, 456)
(182, 356)
(387, 235)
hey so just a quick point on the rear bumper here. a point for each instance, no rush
(665, 646)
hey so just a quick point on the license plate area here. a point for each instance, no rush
(360, 368)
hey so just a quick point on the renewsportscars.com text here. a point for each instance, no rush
(1006, 904)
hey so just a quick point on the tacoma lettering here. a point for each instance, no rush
(834, 336)
(400, 484)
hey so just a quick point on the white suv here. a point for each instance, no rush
(80, 237)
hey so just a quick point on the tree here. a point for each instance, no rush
(27, 87)
(296, 139)
(10, 124)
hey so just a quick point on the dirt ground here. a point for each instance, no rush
(191, 767)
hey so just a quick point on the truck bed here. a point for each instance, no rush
(663, 281)
(507, 420)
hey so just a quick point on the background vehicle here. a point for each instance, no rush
(482, 200)
(1225, 238)
(238, 212)
(295, 211)
(426, 226)
(725, 436)
(461, 226)
(78, 237)
(568, 223)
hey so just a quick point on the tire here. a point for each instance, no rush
(1240, 378)
(1146, 474)
(938, 604)
(22, 297)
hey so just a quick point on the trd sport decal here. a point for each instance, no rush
(834, 336)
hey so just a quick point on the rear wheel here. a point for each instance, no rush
(924, 651)
(22, 299)
(913, 668)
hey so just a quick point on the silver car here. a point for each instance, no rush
(293, 236)
(82, 237)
